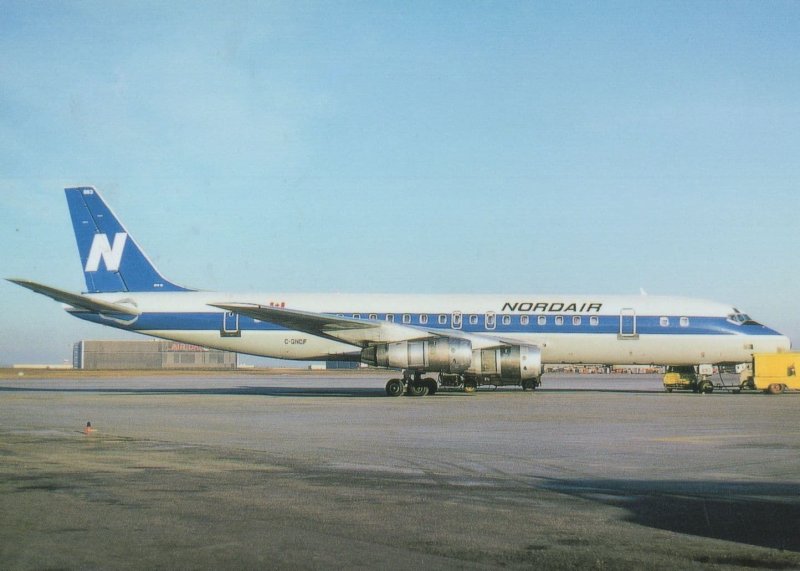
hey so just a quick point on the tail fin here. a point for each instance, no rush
(112, 261)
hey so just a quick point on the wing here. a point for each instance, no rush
(76, 300)
(360, 332)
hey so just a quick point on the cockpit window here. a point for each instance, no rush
(740, 318)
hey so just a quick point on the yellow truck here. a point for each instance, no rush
(771, 373)
(774, 373)
(697, 379)
(686, 379)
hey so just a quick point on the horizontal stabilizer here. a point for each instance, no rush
(75, 300)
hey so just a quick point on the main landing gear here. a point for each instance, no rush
(412, 384)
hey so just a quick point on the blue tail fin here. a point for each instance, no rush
(112, 261)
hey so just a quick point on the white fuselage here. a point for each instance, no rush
(568, 329)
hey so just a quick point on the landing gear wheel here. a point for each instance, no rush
(395, 388)
(432, 386)
(470, 386)
(417, 388)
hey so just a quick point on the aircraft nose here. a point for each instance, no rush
(781, 343)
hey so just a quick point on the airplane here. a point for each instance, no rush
(468, 340)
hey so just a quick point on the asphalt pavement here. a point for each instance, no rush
(317, 471)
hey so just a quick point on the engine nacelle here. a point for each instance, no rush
(509, 363)
(440, 355)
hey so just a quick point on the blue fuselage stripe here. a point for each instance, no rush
(585, 324)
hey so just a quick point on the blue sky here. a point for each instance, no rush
(405, 147)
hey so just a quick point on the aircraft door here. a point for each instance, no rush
(230, 325)
(455, 321)
(627, 323)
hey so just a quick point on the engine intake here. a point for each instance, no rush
(440, 354)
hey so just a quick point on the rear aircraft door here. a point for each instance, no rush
(230, 325)
(627, 323)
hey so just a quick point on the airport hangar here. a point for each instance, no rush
(160, 354)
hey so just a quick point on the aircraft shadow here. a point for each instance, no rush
(349, 392)
(601, 390)
(215, 391)
(765, 514)
(356, 392)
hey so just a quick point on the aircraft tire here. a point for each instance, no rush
(432, 387)
(417, 389)
(395, 388)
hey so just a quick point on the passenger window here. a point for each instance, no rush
(373, 316)
(594, 321)
(473, 319)
(576, 320)
(356, 316)
(423, 319)
(664, 322)
(523, 319)
(406, 318)
(442, 319)
(559, 320)
(684, 322)
(490, 321)
(542, 320)
(389, 317)
(506, 320)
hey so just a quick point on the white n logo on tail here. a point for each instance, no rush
(111, 255)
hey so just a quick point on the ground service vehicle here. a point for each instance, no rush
(695, 379)
(774, 373)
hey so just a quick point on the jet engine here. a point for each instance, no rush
(510, 364)
(438, 354)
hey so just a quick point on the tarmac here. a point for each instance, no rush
(318, 471)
